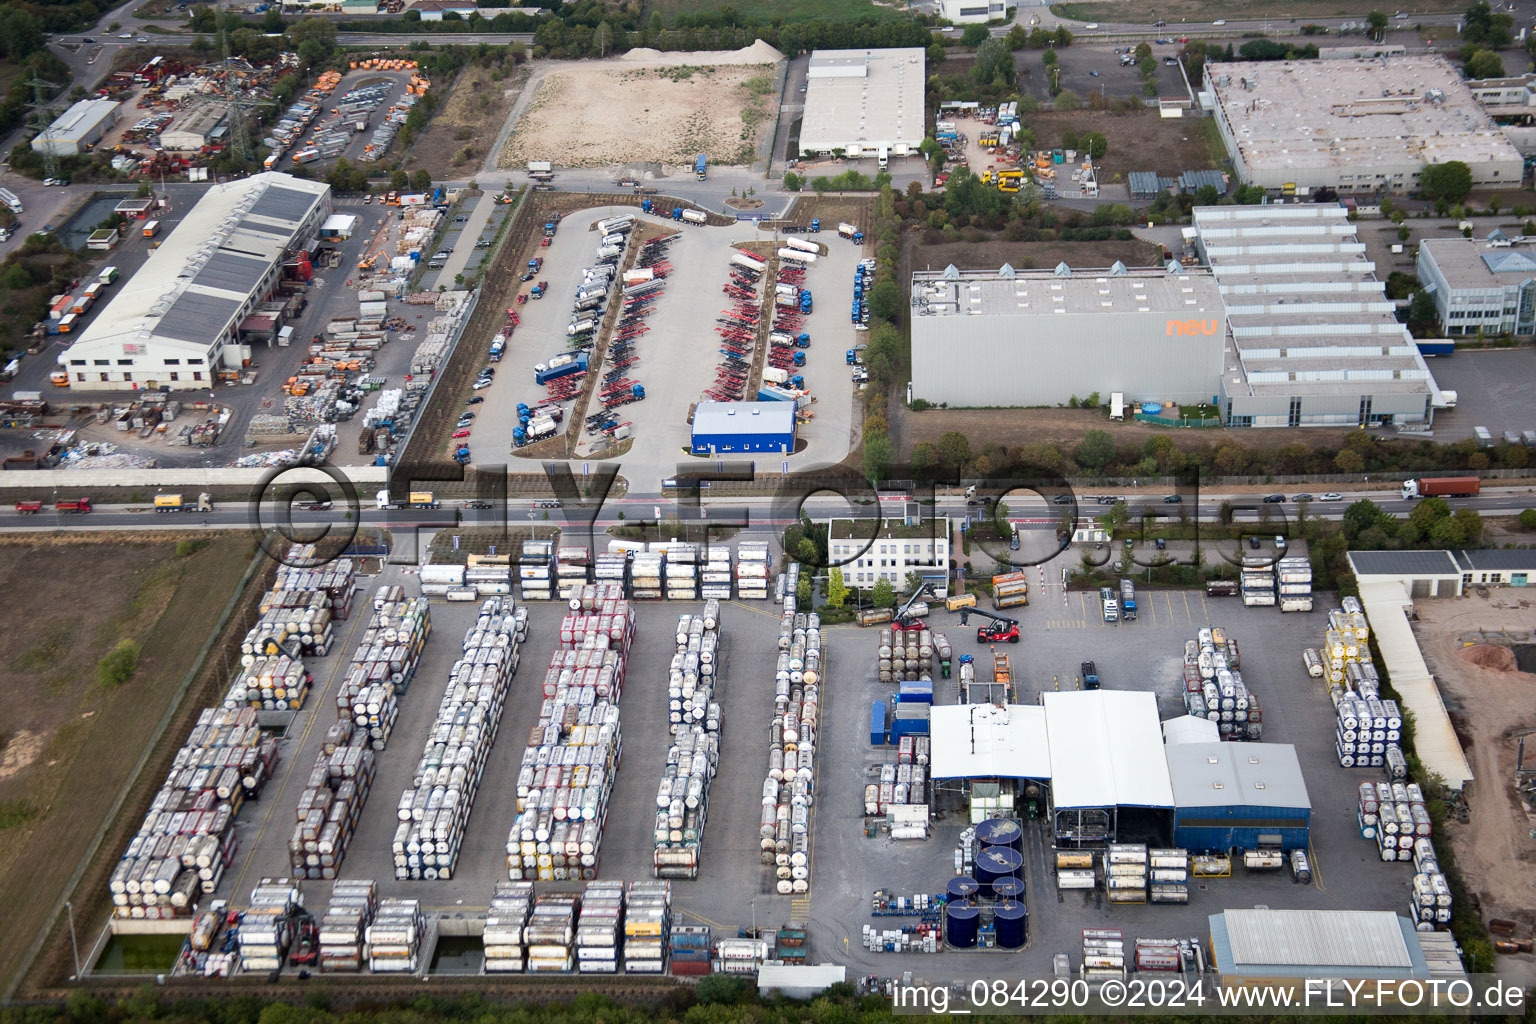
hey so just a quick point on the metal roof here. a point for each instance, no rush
(1106, 749)
(1403, 563)
(799, 980)
(196, 317)
(287, 204)
(1316, 938)
(1236, 774)
(1509, 261)
(1434, 740)
(744, 418)
(981, 741)
(1495, 559)
(230, 272)
(1189, 729)
(79, 120)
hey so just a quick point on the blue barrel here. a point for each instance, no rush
(996, 862)
(1000, 832)
(1012, 920)
(963, 887)
(960, 918)
(1007, 888)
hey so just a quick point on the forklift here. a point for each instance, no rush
(904, 621)
(1000, 630)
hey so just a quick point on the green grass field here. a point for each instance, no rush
(783, 10)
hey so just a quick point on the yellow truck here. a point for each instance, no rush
(175, 503)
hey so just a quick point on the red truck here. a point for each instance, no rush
(29, 507)
(74, 505)
(1442, 486)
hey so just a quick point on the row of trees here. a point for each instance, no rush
(1431, 524)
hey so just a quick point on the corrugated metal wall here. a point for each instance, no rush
(1046, 358)
(1226, 828)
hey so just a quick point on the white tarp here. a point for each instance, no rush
(1106, 749)
(1189, 729)
(981, 741)
(1386, 602)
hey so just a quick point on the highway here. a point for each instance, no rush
(632, 510)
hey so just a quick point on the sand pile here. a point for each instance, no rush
(1491, 657)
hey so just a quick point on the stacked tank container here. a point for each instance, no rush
(394, 936)
(489, 578)
(612, 567)
(682, 572)
(715, 573)
(682, 799)
(1168, 873)
(305, 630)
(534, 573)
(1293, 584)
(505, 922)
(784, 824)
(599, 928)
(647, 920)
(438, 580)
(688, 949)
(903, 655)
(645, 575)
(349, 912)
(1103, 955)
(551, 931)
(266, 927)
(752, 570)
(1125, 872)
(296, 581)
(1257, 586)
(572, 568)
(330, 806)
(434, 810)
(1214, 687)
(277, 683)
(383, 665)
(569, 765)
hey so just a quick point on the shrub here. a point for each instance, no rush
(118, 666)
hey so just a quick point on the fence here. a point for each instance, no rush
(1165, 421)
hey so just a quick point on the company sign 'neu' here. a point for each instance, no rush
(1178, 328)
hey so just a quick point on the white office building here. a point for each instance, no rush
(1480, 286)
(897, 548)
(976, 12)
(175, 323)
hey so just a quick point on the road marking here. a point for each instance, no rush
(1187, 614)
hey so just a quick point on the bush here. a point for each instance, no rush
(190, 547)
(119, 664)
(1528, 519)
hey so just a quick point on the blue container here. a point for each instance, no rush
(1000, 832)
(963, 887)
(877, 737)
(960, 921)
(996, 862)
(1007, 888)
(1012, 923)
(915, 691)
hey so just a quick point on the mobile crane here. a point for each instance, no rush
(1000, 630)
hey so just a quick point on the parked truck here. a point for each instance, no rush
(563, 365)
(1442, 486)
(176, 503)
(1090, 675)
(536, 429)
(695, 216)
(850, 231)
(1111, 604)
(700, 165)
(1127, 600)
(11, 200)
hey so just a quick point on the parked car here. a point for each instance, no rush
(1253, 542)
(466, 415)
(1279, 542)
(1274, 499)
(482, 384)
(460, 433)
(475, 400)
(1332, 496)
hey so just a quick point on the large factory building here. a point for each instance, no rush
(176, 322)
(1018, 338)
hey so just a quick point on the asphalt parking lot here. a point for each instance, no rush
(1494, 389)
(678, 355)
(1077, 62)
(353, 154)
(465, 260)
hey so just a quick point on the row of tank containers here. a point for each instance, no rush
(784, 829)
(1287, 583)
(543, 570)
(1214, 689)
(187, 839)
(694, 720)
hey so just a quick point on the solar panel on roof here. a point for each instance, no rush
(195, 317)
(288, 204)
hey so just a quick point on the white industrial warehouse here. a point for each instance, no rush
(1314, 339)
(1016, 338)
(78, 129)
(1366, 125)
(1480, 285)
(176, 320)
(864, 102)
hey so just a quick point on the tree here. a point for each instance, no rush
(118, 666)
(955, 448)
(924, 459)
(883, 594)
(1049, 58)
(1068, 100)
(1017, 37)
(602, 38)
(1450, 181)
(421, 180)
(877, 457)
(1421, 308)
(885, 301)
(1096, 450)
(837, 591)
(1378, 22)
(1349, 462)
(322, 30)
(1485, 64)
(312, 52)
(1094, 144)
(1362, 515)
(793, 182)
(1471, 523)
(974, 35)
(994, 61)
(21, 34)
(399, 180)
(1428, 512)
(1448, 533)
(1528, 519)
(1481, 25)
(272, 21)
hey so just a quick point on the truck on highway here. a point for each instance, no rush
(80, 505)
(1442, 486)
(415, 499)
(176, 503)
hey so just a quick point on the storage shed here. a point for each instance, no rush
(728, 427)
(338, 227)
(1109, 778)
(1238, 796)
(78, 129)
(1284, 948)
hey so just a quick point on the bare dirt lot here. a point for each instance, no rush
(1138, 141)
(1490, 701)
(649, 107)
(456, 142)
(66, 739)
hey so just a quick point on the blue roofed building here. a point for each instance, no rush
(721, 428)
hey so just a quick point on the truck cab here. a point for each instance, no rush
(1111, 604)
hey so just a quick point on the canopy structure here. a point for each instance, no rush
(980, 741)
(1106, 750)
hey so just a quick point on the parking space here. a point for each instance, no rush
(1495, 389)
(678, 355)
(467, 239)
(1078, 63)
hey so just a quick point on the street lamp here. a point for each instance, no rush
(69, 909)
